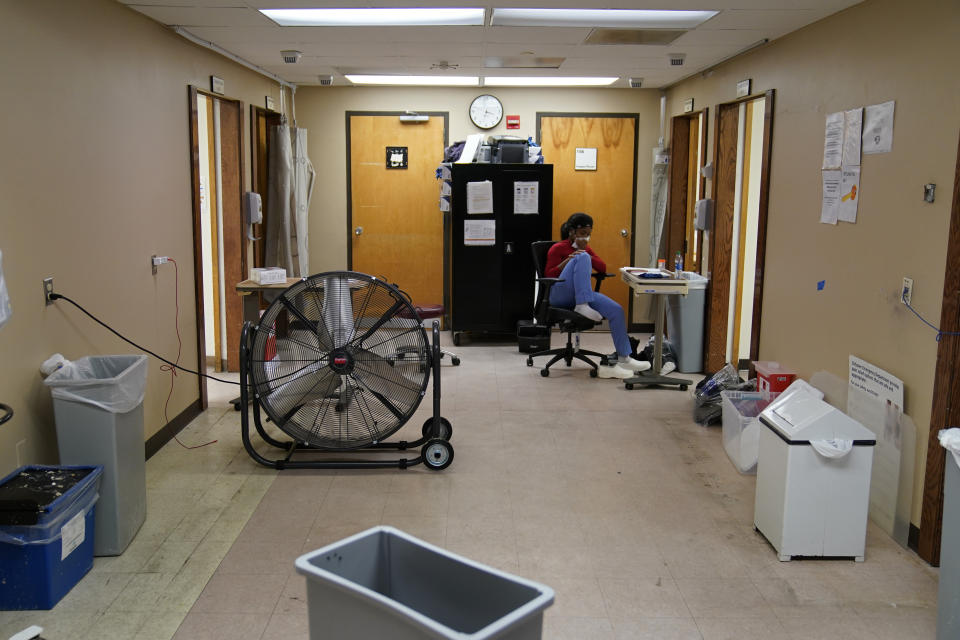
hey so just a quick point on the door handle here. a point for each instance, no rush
(624, 233)
(358, 231)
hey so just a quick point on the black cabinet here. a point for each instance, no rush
(490, 286)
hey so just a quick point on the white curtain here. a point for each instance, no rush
(276, 251)
(658, 202)
(289, 188)
(303, 180)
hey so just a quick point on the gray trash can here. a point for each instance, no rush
(383, 583)
(948, 596)
(685, 323)
(98, 410)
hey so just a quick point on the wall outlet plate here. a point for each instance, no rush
(47, 290)
(906, 291)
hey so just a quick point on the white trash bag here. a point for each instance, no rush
(112, 383)
(950, 440)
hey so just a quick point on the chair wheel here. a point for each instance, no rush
(456, 339)
(593, 373)
(529, 364)
(629, 386)
(455, 361)
(545, 373)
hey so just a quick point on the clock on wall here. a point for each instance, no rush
(486, 111)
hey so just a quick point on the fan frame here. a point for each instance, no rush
(439, 429)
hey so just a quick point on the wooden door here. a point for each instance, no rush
(688, 154)
(261, 121)
(393, 214)
(229, 116)
(608, 194)
(727, 185)
(946, 391)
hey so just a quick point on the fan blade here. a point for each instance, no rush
(292, 309)
(392, 311)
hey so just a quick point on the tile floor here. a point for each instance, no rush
(616, 499)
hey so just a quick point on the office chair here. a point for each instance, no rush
(569, 321)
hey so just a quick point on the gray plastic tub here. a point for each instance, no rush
(685, 323)
(383, 583)
(98, 411)
(948, 597)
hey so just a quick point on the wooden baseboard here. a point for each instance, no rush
(640, 327)
(165, 434)
(913, 537)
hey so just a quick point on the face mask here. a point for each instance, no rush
(585, 239)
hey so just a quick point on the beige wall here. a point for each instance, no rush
(322, 111)
(95, 178)
(876, 51)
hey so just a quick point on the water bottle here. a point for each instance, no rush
(678, 264)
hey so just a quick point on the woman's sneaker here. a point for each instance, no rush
(615, 371)
(632, 364)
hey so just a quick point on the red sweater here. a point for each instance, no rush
(561, 250)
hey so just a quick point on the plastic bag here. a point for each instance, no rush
(950, 440)
(711, 387)
(5, 310)
(707, 402)
(667, 355)
(112, 383)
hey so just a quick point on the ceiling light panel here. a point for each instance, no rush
(615, 18)
(557, 81)
(379, 17)
(456, 81)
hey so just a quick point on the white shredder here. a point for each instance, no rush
(813, 477)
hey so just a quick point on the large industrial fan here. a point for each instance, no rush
(339, 362)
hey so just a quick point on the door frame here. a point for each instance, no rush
(679, 179)
(193, 122)
(946, 390)
(260, 169)
(633, 195)
(718, 298)
(446, 141)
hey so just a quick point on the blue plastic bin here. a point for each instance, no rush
(40, 563)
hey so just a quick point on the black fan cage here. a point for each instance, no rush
(340, 360)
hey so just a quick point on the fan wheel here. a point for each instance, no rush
(446, 429)
(339, 360)
(437, 454)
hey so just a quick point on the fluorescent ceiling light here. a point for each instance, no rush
(540, 81)
(457, 81)
(617, 18)
(381, 17)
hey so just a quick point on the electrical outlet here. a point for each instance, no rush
(153, 264)
(906, 291)
(47, 290)
(21, 446)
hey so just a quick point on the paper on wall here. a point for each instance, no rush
(878, 128)
(479, 233)
(849, 194)
(833, 141)
(526, 197)
(480, 197)
(853, 127)
(831, 196)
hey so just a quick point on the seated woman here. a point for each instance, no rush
(572, 260)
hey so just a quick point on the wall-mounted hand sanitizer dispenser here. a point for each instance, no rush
(253, 212)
